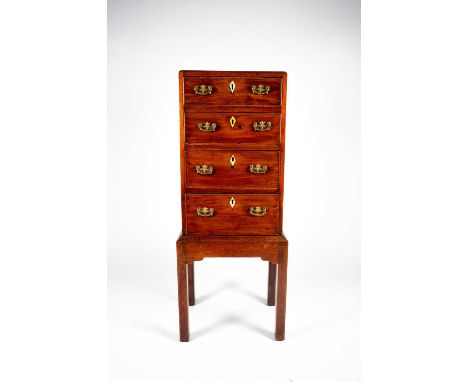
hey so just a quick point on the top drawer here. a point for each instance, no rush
(232, 91)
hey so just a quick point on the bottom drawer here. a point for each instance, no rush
(232, 214)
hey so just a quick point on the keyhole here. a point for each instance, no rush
(232, 86)
(232, 121)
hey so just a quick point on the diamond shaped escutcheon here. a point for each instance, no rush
(232, 121)
(232, 86)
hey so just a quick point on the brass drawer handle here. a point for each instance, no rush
(260, 89)
(262, 126)
(205, 211)
(258, 168)
(204, 169)
(207, 127)
(203, 89)
(257, 211)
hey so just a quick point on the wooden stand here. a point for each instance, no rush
(273, 249)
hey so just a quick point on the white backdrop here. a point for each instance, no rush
(318, 44)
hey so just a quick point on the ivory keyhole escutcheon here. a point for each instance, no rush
(232, 202)
(232, 86)
(232, 121)
(232, 160)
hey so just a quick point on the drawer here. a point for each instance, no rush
(205, 128)
(227, 169)
(232, 214)
(217, 91)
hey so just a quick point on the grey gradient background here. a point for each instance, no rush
(318, 44)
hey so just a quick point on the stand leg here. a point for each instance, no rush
(281, 295)
(191, 282)
(183, 306)
(271, 284)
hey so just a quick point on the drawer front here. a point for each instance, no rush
(205, 128)
(217, 91)
(227, 169)
(232, 214)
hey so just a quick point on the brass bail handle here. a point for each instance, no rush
(257, 211)
(205, 211)
(258, 168)
(204, 169)
(260, 89)
(261, 126)
(203, 89)
(207, 127)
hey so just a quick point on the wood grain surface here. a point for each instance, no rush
(242, 132)
(242, 96)
(237, 177)
(236, 220)
(232, 231)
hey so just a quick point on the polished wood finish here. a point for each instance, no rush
(271, 283)
(232, 74)
(232, 230)
(232, 221)
(242, 96)
(236, 177)
(242, 132)
(196, 248)
(191, 283)
(182, 290)
(281, 295)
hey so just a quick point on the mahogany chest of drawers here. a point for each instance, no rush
(232, 139)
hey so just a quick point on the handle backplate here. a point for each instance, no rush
(203, 89)
(204, 169)
(257, 211)
(260, 89)
(207, 127)
(261, 126)
(205, 211)
(258, 168)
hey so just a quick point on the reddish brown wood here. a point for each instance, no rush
(232, 221)
(219, 190)
(242, 96)
(191, 284)
(242, 132)
(283, 142)
(182, 290)
(237, 177)
(271, 284)
(220, 73)
(182, 143)
(268, 248)
(281, 295)
(232, 232)
(196, 108)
